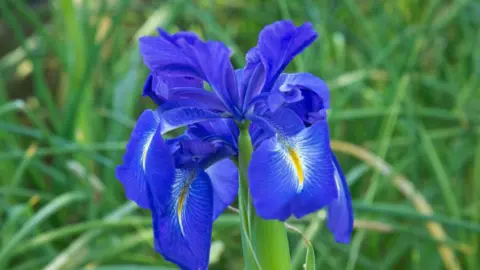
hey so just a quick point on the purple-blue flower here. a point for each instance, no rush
(188, 181)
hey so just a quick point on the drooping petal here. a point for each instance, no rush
(340, 213)
(139, 150)
(272, 180)
(182, 116)
(191, 57)
(183, 231)
(224, 177)
(159, 173)
(319, 189)
(293, 175)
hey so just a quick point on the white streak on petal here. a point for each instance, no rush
(338, 180)
(145, 149)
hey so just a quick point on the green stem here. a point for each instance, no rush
(268, 237)
(244, 202)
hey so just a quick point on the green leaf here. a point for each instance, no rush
(44, 213)
(310, 259)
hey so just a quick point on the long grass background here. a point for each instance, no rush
(405, 122)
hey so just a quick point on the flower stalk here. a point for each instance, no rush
(267, 237)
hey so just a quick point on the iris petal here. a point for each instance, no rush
(319, 188)
(179, 38)
(275, 100)
(224, 177)
(149, 88)
(183, 231)
(198, 94)
(159, 88)
(316, 97)
(182, 116)
(257, 134)
(284, 122)
(193, 153)
(160, 173)
(279, 43)
(135, 166)
(340, 213)
(288, 81)
(272, 179)
(293, 174)
(191, 57)
(253, 77)
(216, 131)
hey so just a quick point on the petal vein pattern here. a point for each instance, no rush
(133, 171)
(180, 190)
(293, 175)
(295, 159)
(188, 56)
(178, 117)
(182, 233)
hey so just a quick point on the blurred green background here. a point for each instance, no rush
(404, 78)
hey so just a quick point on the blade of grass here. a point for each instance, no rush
(406, 213)
(22, 192)
(127, 242)
(17, 177)
(12, 106)
(67, 231)
(409, 191)
(67, 149)
(79, 245)
(476, 194)
(44, 213)
(440, 172)
(385, 138)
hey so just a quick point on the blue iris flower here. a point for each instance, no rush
(188, 181)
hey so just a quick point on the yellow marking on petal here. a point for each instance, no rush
(181, 201)
(297, 163)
